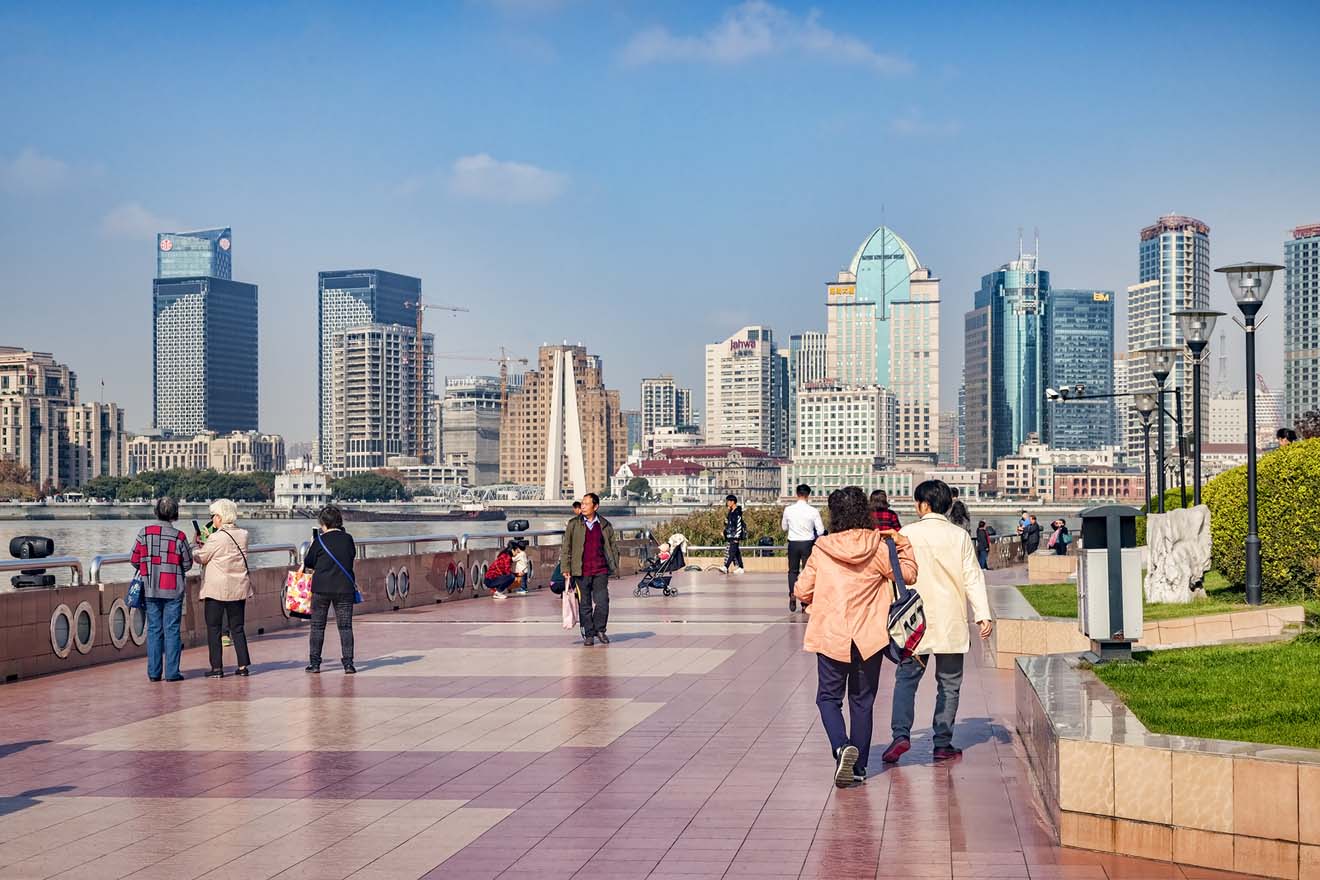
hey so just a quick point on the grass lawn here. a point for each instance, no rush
(1060, 600)
(1252, 693)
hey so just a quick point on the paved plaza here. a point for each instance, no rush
(481, 740)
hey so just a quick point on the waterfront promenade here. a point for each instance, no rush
(481, 740)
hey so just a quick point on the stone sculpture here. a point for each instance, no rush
(1179, 553)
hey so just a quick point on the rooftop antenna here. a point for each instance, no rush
(1036, 232)
(1019, 244)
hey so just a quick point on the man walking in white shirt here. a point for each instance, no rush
(950, 578)
(803, 524)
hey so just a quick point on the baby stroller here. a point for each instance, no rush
(659, 573)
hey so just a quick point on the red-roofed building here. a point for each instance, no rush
(671, 480)
(751, 474)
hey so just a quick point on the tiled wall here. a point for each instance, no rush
(1110, 785)
(25, 616)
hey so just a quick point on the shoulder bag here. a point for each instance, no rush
(907, 615)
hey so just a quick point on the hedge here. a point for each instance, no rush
(1288, 507)
(706, 528)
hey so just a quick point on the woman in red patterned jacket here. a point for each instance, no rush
(499, 577)
(162, 556)
(881, 515)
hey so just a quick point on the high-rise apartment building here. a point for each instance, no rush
(563, 418)
(808, 365)
(374, 414)
(1174, 273)
(45, 428)
(1003, 337)
(848, 422)
(687, 417)
(355, 298)
(471, 411)
(1301, 323)
(204, 352)
(206, 253)
(883, 329)
(1077, 338)
(747, 392)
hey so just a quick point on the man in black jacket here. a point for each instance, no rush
(735, 532)
(1031, 535)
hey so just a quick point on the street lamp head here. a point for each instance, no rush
(1197, 326)
(1161, 360)
(1144, 403)
(1249, 282)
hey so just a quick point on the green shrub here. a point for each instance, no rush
(705, 528)
(1288, 507)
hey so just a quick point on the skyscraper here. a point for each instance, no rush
(1174, 273)
(373, 396)
(355, 298)
(808, 364)
(883, 329)
(632, 420)
(746, 392)
(1301, 323)
(470, 426)
(204, 351)
(206, 252)
(1077, 340)
(1003, 338)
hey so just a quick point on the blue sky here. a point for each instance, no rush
(641, 177)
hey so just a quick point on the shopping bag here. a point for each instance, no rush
(137, 596)
(570, 608)
(298, 594)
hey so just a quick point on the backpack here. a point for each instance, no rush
(907, 616)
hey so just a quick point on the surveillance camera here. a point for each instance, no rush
(1051, 394)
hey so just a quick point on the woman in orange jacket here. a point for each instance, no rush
(848, 584)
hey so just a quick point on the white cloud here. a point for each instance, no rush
(30, 171)
(489, 179)
(913, 125)
(757, 29)
(131, 220)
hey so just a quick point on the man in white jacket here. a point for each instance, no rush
(950, 578)
(803, 525)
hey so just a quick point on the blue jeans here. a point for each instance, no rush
(948, 677)
(983, 558)
(163, 637)
(861, 679)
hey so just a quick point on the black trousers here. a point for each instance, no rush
(734, 556)
(321, 603)
(217, 613)
(593, 603)
(798, 551)
(860, 679)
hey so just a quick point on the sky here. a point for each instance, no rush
(644, 178)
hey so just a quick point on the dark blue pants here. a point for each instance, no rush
(861, 679)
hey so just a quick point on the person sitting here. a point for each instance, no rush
(500, 576)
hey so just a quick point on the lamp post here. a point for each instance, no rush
(1145, 404)
(1249, 282)
(1197, 326)
(1161, 360)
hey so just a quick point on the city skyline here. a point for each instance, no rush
(544, 203)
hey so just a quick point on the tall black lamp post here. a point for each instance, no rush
(1145, 404)
(1249, 282)
(1197, 326)
(1161, 360)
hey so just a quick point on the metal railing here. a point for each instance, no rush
(748, 549)
(99, 562)
(73, 564)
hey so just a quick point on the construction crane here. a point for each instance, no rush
(419, 372)
(503, 360)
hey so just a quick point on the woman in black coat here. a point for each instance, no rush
(330, 560)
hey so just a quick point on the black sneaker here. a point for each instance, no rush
(792, 604)
(604, 639)
(843, 774)
(216, 673)
(350, 669)
(859, 776)
(242, 670)
(313, 667)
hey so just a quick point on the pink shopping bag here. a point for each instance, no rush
(298, 594)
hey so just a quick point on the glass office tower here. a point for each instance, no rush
(1078, 343)
(206, 252)
(354, 298)
(204, 351)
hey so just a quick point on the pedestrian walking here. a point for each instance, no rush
(589, 554)
(333, 583)
(950, 578)
(162, 557)
(958, 514)
(226, 586)
(802, 525)
(847, 586)
(983, 544)
(881, 514)
(735, 532)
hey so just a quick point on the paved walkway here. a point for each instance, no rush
(480, 740)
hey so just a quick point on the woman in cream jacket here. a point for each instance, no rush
(226, 585)
(848, 588)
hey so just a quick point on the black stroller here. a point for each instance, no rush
(659, 574)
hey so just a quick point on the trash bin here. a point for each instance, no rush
(1109, 607)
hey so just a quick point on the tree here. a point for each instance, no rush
(368, 487)
(639, 486)
(1308, 426)
(15, 481)
(104, 488)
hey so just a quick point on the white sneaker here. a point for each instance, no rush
(737, 569)
(500, 596)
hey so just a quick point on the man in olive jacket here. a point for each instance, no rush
(589, 554)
